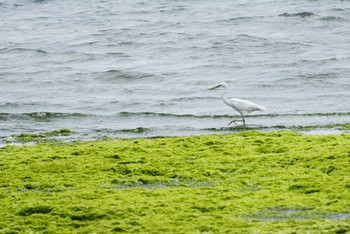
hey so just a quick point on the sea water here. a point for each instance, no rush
(143, 68)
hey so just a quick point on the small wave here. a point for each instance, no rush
(135, 130)
(234, 19)
(299, 14)
(312, 114)
(240, 18)
(138, 130)
(319, 62)
(338, 9)
(332, 18)
(250, 38)
(244, 128)
(155, 114)
(8, 5)
(332, 127)
(40, 1)
(193, 99)
(23, 50)
(320, 75)
(126, 43)
(118, 54)
(116, 75)
(40, 116)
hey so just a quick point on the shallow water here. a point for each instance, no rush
(141, 68)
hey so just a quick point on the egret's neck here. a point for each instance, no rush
(224, 95)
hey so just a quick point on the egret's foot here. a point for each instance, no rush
(233, 121)
(237, 120)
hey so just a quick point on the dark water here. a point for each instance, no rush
(143, 68)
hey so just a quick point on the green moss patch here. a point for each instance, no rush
(249, 182)
(44, 137)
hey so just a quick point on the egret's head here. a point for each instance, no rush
(221, 85)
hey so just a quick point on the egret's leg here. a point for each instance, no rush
(238, 120)
(233, 121)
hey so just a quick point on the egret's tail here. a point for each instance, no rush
(261, 108)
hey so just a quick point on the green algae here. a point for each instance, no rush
(248, 182)
(44, 137)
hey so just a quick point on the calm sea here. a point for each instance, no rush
(122, 69)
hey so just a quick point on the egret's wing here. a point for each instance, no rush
(244, 106)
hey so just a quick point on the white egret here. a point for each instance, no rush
(242, 106)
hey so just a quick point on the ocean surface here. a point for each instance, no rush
(121, 69)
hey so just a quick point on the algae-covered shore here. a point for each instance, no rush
(251, 182)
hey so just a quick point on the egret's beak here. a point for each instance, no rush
(215, 87)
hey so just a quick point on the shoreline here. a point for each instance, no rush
(67, 135)
(242, 182)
